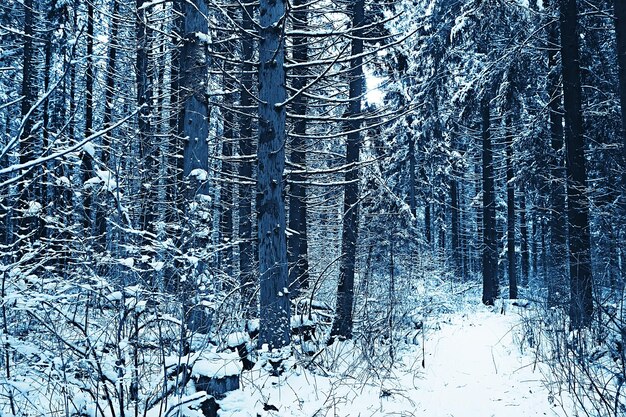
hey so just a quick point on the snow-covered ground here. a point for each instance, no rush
(475, 367)
(472, 366)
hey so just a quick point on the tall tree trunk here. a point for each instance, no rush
(581, 279)
(177, 117)
(86, 157)
(52, 121)
(557, 279)
(412, 181)
(620, 35)
(226, 194)
(478, 240)
(428, 218)
(297, 241)
(194, 128)
(29, 193)
(193, 125)
(47, 128)
(226, 190)
(533, 233)
(427, 196)
(544, 248)
(619, 7)
(107, 120)
(194, 101)
(455, 225)
(147, 150)
(510, 217)
(525, 259)
(441, 223)
(6, 207)
(463, 245)
(342, 324)
(274, 328)
(490, 250)
(455, 213)
(72, 128)
(246, 151)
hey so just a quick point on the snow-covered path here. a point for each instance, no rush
(473, 368)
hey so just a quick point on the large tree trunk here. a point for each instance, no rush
(478, 240)
(107, 120)
(194, 101)
(620, 35)
(147, 150)
(490, 250)
(510, 217)
(226, 196)
(297, 241)
(342, 324)
(534, 248)
(455, 226)
(412, 164)
(246, 151)
(455, 217)
(226, 190)
(30, 192)
(581, 280)
(428, 218)
(86, 158)
(525, 258)
(194, 127)
(441, 223)
(48, 126)
(176, 114)
(274, 300)
(557, 280)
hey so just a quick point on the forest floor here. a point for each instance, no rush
(470, 363)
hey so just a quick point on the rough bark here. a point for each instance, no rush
(557, 280)
(525, 258)
(226, 190)
(342, 324)
(427, 219)
(620, 35)
(29, 187)
(194, 106)
(581, 280)
(297, 241)
(478, 248)
(107, 120)
(147, 150)
(619, 7)
(274, 328)
(177, 117)
(534, 230)
(455, 226)
(412, 181)
(246, 151)
(86, 158)
(490, 250)
(455, 216)
(510, 217)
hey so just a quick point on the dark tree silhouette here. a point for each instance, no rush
(581, 280)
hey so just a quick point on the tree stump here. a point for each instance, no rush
(216, 374)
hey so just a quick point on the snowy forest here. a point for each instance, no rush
(312, 208)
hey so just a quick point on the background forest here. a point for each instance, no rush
(189, 188)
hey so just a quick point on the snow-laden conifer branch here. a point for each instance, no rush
(43, 159)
